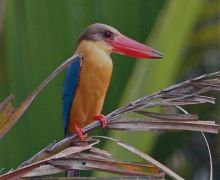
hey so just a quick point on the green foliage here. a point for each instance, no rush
(38, 35)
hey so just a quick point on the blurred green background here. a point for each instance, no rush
(37, 36)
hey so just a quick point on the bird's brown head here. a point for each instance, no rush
(117, 42)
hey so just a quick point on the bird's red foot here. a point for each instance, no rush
(102, 120)
(79, 131)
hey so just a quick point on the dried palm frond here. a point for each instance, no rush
(64, 155)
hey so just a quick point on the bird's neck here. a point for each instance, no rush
(87, 48)
(95, 57)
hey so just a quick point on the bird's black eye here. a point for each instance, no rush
(108, 34)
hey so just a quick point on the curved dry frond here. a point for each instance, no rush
(18, 173)
(188, 90)
(84, 156)
(129, 124)
(58, 157)
(9, 119)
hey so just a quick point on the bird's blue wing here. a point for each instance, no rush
(70, 84)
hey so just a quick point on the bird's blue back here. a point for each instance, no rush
(70, 84)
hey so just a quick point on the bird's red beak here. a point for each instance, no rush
(126, 46)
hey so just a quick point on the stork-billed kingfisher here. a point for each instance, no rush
(87, 79)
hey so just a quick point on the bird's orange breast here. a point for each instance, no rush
(95, 74)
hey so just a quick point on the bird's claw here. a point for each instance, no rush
(102, 120)
(79, 131)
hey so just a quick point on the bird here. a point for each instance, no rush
(87, 79)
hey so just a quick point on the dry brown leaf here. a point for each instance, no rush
(10, 116)
(146, 157)
(107, 165)
(169, 117)
(130, 124)
(6, 110)
(18, 173)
